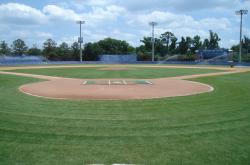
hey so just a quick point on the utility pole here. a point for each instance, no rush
(80, 39)
(241, 12)
(153, 24)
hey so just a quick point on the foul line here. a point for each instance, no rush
(149, 82)
(124, 82)
(84, 82)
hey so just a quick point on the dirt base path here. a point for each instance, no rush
(72, 88)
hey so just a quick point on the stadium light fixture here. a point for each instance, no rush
(153, 24)
(241, 12)
(80, 39)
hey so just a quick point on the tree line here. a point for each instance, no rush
(245, 45)
(66, 52)
(166, 45)
(245, 50)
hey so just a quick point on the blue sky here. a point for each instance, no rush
(34, 21)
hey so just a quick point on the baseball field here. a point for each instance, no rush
(124, 114)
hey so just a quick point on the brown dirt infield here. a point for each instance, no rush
(71, 88)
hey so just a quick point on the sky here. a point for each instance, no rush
(34, 21)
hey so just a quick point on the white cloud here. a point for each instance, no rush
(199, 5)
(131, 38)
(93, 36)
(93, 17)
(126, 20)
(233, 42)
(96, 2)
(27, 34)
(216, 23)
(180, 5)
(69, 40)
(100, 15)
(179, 23)
(44, 35)
(19, 14)
(58, 13)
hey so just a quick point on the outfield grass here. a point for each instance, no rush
(132, 72)
(211, 128)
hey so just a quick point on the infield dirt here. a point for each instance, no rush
(72, 88)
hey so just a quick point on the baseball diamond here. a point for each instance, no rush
(134, 114)
(116, 89)
(115, 82)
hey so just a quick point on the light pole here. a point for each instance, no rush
(153, 24)
(241, 12)
(80, 39)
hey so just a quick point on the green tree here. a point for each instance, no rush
(205, 44)
(213, 40)
(75, 51)
(160, 49)
(92, 51)
(166, 38)
(189, 43)
(184, 45)
(197, 43)
(113, 46)
(246, 44)
(4, 48)
(147, 44)
(49, 49)
(143, 54)
(235, 48)
(63, 52)
(245, 49)
(173, 47)
(34, 51)
(19, 47)
(144, 51)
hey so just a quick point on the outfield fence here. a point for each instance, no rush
(39, 60)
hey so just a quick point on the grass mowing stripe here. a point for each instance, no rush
(136, 73)
(182, 130)
(53, 137)
(74, 130)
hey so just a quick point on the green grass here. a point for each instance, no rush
(211, 128)
(132, 72)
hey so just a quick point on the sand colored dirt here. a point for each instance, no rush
(72, 88)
